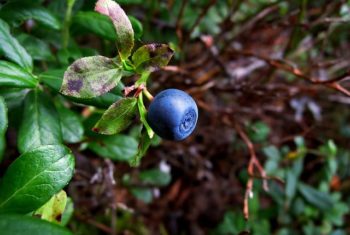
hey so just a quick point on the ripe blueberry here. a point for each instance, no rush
(172, 114)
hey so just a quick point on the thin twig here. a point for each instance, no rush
(253, 162)
(293, 69)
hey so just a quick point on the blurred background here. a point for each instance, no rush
(270, 154)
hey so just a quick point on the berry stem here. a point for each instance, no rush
(147, 94)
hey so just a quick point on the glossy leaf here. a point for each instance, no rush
(137, 26)
(12, 75)
(16, 13)
(116, 147)
(143, 116)
(40, 123)
(90, 77)
(315, 197)
(93, 22)
(152, 57)
(122, 25)
(26, 225)
(117, 117)
(71, 125)
(3, 126)
(53, 79)
(11, 49)
(53, 209)
(33, 178)
(37, 48)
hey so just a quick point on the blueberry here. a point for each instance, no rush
(173, 114)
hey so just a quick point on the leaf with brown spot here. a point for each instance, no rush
(117, 117)
(92, 76)
(152, 57)
(53, 209)
(122, 25)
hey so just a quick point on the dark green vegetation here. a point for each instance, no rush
(272, 141)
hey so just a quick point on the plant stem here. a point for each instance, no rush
(148, 94)
(66, 23)
(143, 79)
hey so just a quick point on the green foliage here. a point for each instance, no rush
(149, 180)
(15, 13)
(71, 124)
(40, 125)
(53, 209)
(258, 131)
(11, 49)
(91, 76)
(115, 147)
(93, 22)
(143, 114)
(3, 126)
(20, 224)
(151, 57)
(12, 75)
(37, 48)
(122, 25)
(23, 189)
(117, 117)
(46, 103)
(296, 204)
(144, 143)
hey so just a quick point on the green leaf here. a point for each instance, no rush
(91, 76)
(292, 178)
(272, 152)
(26, 225)
(12, 75)
(11, 49)
(53, 79)
(143, 116)
(37, 48)
(89, 21)
(53, 209)
(151, 57)
(3, 126)
(155, 177)
(143, 146)
(122, 25)
(33, 178)
(137, 26)
(15, 13)
(116, 147)
(40, 123)
(232, 223)
(259, 131)
(320, 200)
(291, 184)
(68, 212)
(71, 125)
(143, 194)
(117, 117)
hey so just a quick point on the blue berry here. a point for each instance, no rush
(172, 114)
